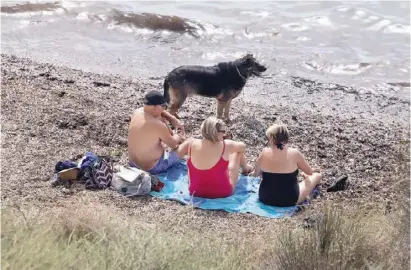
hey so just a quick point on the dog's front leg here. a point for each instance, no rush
(220, 107)
(227, 111)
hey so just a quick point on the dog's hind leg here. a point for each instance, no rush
(220, 107)
(177, 98)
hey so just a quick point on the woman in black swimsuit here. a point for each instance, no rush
(278, 165)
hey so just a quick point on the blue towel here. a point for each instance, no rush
(243, 200)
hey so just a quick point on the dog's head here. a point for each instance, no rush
(251, 65)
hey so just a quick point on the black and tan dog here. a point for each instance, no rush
(223, 81)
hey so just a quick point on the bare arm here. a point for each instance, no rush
(168, 138)
(235, 147)
(257, 168)
(303, 164)
(172, 119)
(182, 149)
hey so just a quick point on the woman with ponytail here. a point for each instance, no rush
(278, 165)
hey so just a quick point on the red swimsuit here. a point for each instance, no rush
(211, 183)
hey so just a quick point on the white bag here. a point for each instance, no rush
(131, 181)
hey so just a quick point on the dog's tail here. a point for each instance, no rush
(166, 86)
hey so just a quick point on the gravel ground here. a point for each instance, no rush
(54, 113)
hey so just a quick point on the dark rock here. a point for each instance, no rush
(73, 122)
(322, 154)
(122, 141)
(63, 124)
(61, 94)
(82, 121)
(101, 84)
(333, 172)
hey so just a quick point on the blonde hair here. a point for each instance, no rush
(211, 127)
(278, 133)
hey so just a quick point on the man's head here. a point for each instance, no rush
(155, 102)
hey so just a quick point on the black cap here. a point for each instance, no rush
(154, 98)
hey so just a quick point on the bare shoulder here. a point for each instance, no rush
(294, 152)
(195, 142)
(136, 113)
(149, 123)
(265, 152)
(229, 142)
(156, 122)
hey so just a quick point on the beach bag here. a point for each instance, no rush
(132, 181)
(99, 173)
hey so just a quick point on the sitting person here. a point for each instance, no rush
(214, 163)
(148, 133)
(278, 165)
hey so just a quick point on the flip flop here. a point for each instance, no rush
(339, 184)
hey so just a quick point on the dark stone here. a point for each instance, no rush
(101, 84)
(322, 154)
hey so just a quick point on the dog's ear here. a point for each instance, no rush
(248, 56)
(249, 60)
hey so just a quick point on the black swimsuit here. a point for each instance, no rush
(279, 189)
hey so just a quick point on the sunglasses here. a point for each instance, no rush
(222, 131)
(164, 106)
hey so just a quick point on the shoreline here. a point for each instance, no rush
(54, 113)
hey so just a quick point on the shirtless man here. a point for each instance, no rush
(148, 135)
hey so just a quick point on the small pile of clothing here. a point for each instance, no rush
(97, 172)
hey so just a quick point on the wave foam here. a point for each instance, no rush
(320, 20)
(398, 29)
(379, 25)
(262, 14)
(341, 69)
(297, 27)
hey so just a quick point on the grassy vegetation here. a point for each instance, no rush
(356, 242)
(90, 239)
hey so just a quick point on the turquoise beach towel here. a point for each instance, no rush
(243, 200)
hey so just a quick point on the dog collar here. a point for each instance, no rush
(239, 73)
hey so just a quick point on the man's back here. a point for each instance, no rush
(144, 144)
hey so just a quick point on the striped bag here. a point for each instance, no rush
(99, 174)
